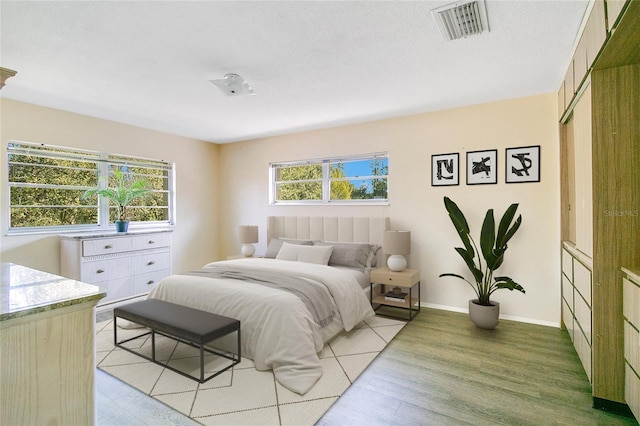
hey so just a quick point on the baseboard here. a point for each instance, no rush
(505, 317)
(614, 407)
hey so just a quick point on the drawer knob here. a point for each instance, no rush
(151, 262)
(150, 282)
(99, 271)
(151, 242)
(108, 246)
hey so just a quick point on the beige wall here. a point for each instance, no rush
(415, 205)
(196, 234)
(222, 186)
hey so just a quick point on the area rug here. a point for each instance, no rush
(242, 395)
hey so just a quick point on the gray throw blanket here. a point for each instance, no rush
(313, 294)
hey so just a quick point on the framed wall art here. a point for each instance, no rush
(445, 169)
(522, 164)
(482, 167)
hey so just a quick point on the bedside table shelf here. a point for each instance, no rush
(384, 279)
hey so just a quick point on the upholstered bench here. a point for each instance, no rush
(181, 323)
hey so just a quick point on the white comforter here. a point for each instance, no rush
(277, 329)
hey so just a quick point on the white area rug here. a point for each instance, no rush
(241, 395)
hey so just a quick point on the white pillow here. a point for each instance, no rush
(301, 253)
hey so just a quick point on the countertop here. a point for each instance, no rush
(26, 291)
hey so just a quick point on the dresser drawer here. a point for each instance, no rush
(632, 346)
(149, 241)
(631, 302)
(582, 281)
(105, 246)
(109, 269)
(567, 264)
(118, 289)
(146, 282)
(582, 313)
(150, 262)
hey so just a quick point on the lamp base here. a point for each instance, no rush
(248, 250)
(396, 262)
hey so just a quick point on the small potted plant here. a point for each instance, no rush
(483, 312)
(122, 194)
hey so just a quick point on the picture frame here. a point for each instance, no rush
(445, 169)
(522, 164)
(482, 167)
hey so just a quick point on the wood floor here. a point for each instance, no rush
(439, 370)
(442, 370)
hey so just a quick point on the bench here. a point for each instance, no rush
(181, 323)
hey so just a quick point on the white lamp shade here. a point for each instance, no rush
(248, 234)
(396, 242)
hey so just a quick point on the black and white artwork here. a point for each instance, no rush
(445, 169)
(522, 164)
(482, 167)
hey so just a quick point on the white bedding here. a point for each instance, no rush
(278, 331)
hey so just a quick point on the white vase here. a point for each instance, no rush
(484, 316)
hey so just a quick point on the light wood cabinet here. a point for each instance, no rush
(631, 310)
(614, 84)
(126, 266)
(47, 361)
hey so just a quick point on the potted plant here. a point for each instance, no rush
(122, 194)
(483, 312)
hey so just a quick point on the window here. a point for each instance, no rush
(46, 184)
(356, 179)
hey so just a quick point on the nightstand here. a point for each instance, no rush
(407, 280)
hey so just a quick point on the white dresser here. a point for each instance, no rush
(125, 265)
(576, 302)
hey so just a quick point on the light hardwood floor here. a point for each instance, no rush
(442, 370)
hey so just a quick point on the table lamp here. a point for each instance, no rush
(248, 236)
(397, 244)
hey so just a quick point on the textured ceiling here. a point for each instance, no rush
(312, 64)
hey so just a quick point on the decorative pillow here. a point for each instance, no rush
(305, 253)
(276, 243)
(353, 255)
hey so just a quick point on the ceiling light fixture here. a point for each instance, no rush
(233, 85)
(461, 19)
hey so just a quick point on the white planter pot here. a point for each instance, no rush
(484, 316)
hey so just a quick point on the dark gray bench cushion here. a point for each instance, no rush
(181, 321)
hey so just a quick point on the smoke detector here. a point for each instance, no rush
(461, 19)
(233, 85)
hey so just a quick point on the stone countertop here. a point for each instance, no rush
(26, 291)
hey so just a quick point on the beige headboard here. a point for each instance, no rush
(322, 228)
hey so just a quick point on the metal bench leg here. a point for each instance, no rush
(201, 363)
(153, 345)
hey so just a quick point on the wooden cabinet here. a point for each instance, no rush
(614, 83)
(631, 311)
(126, 266)
(47, 347)
(576, 303)
(407, 280)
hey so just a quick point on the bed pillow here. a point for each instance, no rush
(305, 253)
(353, 255)
(276, 243)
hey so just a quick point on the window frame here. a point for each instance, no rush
(327, 179)
(102, 161)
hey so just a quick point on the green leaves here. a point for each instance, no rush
(492, 247)
(123, 193)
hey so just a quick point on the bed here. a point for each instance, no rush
(311, 285)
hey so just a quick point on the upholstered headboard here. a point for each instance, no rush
(322, 228)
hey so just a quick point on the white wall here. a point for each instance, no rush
(195, 239)
(533, 255)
